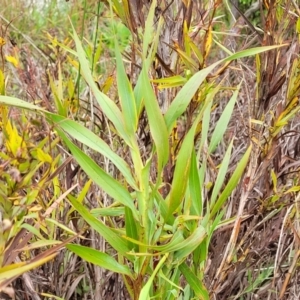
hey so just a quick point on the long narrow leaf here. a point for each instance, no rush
(183, 98)
(149, 29)
(157, 124)
(131, 229)
(8, 273)
(126, 96)
(191, 243)
(12, 101)
(99, 258)
(223, 122)
(194, 187)
(100, 177)
(221, 175)
(144, 295)
(231, 185)
(109, 235)
(91, 140)
(181, 173)
(253, 51)
(185, 245)
(182, 168)
(109, 108)
(196, 284)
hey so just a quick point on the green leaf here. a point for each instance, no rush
(185, 95)
(40, 244)
(183, 98)
(149, 28)
(181, 245)
(138, 90)
(223, 122)
(131, 229)
(221, 175)
(157, 124)
(109, 108)
(12, 101)
(196, 284)
(109, 235)
(231, 185)
(88, 138)
(181, 173)
(99, 258)
(144, 295)
(177, 239)
(205, 125)
(182, 168)
(206, 115)
(56, 97)
(194, 187)
(190, 244)
(173, 81)
(59, 225)
(111, 186)
(126, 96)
(253, 51)
(108, 211)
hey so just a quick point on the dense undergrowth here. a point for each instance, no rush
(149, 150)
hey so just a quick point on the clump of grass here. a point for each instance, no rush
(169, 194)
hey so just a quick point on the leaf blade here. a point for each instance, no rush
(99, 258)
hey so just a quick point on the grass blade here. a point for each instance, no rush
(223, 122)
(182, 168)
(109, 235)
(144, 295)
(126, 96)
(157, 124)
(191, 243)
(131, 229)
(196, 284)
(99, 258)
(181, 173)
(148, 29)
(231, 185)
(12, 101)
(88, 138)
(110, 109)
(194, 187)
(221, 175)
(253, 51)
(183, 98)
(111, 186)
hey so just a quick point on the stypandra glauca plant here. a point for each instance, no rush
(163, 239)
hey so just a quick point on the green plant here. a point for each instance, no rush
(190, 189)
(164, 236)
